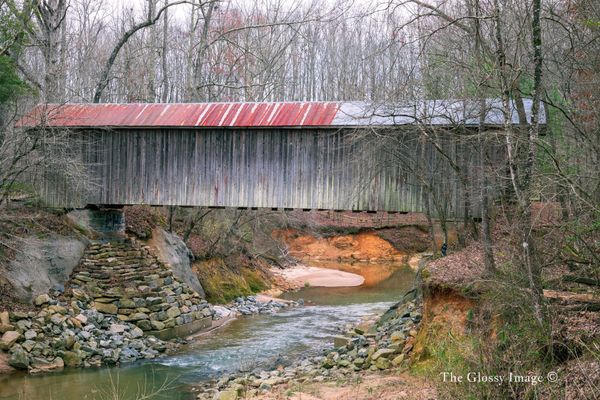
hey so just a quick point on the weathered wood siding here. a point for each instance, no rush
(275, 168)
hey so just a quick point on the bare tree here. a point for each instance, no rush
(48, 32)
(485, 189)
(152, 15)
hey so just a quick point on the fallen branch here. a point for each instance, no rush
(581, 279)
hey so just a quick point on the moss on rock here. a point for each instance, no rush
(224, 281)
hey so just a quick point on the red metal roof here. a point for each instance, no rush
(182, 115)
(290, 114)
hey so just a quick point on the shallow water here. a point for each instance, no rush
(259, 341)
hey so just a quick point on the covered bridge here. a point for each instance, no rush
(292, 155)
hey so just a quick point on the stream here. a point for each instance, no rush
(259, 341)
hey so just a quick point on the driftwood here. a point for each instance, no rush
(570, 301)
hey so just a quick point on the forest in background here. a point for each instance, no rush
(397, 51)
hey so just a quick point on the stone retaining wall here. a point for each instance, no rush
(125, 279)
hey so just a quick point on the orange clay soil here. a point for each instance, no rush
(371, 387)
(364, 247)
(445, 312)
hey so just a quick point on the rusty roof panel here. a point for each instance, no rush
(284, 114)
(182, 115)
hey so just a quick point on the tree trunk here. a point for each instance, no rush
(165, 65)
(151, 19)
(490, 265)
(522, 180)
(530, 255)
(50, 18)
(207, 11)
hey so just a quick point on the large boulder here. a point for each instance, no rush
(8, 339)
(19, 358)
(42, 265)
(173, 251)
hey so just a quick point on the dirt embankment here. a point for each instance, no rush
(474, 322)
(367, 246)
(446, 314)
